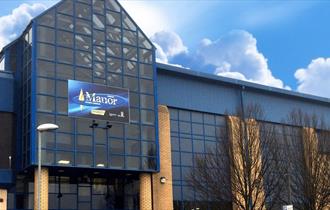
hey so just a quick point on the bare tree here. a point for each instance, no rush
(244, 167)
(310, 161)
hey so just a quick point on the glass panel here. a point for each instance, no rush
(83, 11)
(83, 74)
(99, 69)
(148, 133)
(45, 118)
(145, 56)
(64, 55)
(46, 51)
(143, 41)
(45, 103)
(133, 162)
(84, 143)
(47, 19)
(98, 37)
(130, 53)
(98, 6)
(84, 160)
(130, 68)
(113, 18)
(62, 106)
(64, 159)
(134, 115)
(100, 135)
(147, 117)
(117, 130)
(68, 201)
(45, 68)
(114, 49)
(98, 22)
(185, 145)
(147, 101)
(47, 157)
(64, 123)
(83, 42)
(100, 156)
(64, 22)
(209, 130)
(115, 80)
(64, 141)
(48, 140)
(83, 59)
(132, 131)
(64, 71)
(83, 126)
(148, 149)
(146, 71)
(198, 146)
(45, 86)
(66, 7)
(146, 86)
(116, 147)
(128, 23)
(61, 88)
(46, 34)
(114, 34)
(83, 27)
(131, 83)
(209, 119)
(117, 161)
(197, 117)
(112, 5)
(114, 65)
(149, 163)
(184, 115)
(129, 37)
(134, 99)
(99, 54)
(65, 38)
(132, 147)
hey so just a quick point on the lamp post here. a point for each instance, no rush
(41, 128)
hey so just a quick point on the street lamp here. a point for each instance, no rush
(41, 128)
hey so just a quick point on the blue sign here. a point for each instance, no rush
(98, 102)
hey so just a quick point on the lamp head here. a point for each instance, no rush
(47, 127)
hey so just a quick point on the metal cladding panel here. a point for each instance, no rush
(197, 94)
(7, 92)
(277, 107)
(187, 90)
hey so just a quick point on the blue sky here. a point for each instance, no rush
(283, 44)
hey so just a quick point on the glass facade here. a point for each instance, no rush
(83, 192)
(94, 41)
(192, 135)
(26, 94)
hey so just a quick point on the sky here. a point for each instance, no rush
(283, 44)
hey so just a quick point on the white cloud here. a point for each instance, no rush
(315, 79)
(147, 16)
(13, 24)
(236, 55)
(168, 44)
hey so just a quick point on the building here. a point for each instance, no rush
(100, 164)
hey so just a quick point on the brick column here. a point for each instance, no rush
(145, 192)
(163, 193)
(236, 130)
(43, 189)
(3, 198)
